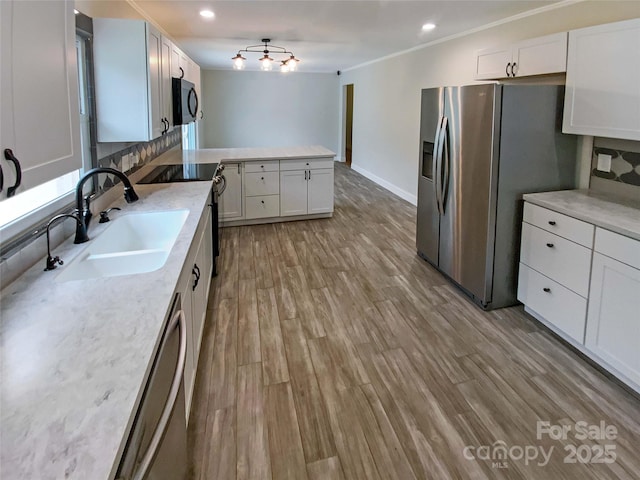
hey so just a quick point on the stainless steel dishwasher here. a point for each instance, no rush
(157, 445)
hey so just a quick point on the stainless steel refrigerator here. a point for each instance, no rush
(481, 148)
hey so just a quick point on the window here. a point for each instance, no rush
(36, 204)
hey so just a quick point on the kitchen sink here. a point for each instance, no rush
(133, 243)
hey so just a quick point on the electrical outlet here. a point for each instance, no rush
(604, 162)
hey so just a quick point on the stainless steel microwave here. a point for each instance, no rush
(185, 101)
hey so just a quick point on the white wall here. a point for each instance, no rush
(264, 109)
(387, 93)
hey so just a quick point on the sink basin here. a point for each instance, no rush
(133, 243)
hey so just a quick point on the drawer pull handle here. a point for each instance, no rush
(547, 289)
(550, 245)
(262, 201)
(261, 166)
(261, 178)
(552, 223)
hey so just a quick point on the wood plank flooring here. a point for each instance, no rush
(332, 351)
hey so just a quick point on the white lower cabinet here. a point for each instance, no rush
(308, 191)
(194, 289)
(613, 322)
(276, 190)
(588, 295)
(320, 191)
(293, 193)
(231, 199)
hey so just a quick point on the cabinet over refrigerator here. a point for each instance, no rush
(481, 148)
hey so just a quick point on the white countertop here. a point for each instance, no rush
(76, 355)
(613, 213)
(217, 155)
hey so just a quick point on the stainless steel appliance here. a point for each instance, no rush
(196, 172)
(481, 148)
(157, 445)
(185, 101)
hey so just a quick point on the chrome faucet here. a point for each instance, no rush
(130, 196)
(52, 261)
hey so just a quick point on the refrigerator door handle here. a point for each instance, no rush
(444, 187)
(440, 147)
(436, 163)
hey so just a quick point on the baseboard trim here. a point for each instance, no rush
(413, 199)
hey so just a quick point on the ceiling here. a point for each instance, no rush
(326, 35)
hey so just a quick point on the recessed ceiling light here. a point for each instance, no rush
(428, 26)
(207, 14)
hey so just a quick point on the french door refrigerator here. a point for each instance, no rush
(481, 148)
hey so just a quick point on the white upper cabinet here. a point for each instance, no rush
(179, 63)
(165, 66)
(536, 56)
(602, 96)
(128, 76)
(40, 120)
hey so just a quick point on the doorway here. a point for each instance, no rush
(348, 128)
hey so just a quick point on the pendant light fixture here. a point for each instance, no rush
(289, 64)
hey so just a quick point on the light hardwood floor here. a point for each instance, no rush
(332, 351)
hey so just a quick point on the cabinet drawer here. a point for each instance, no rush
(565, 262)
(263, 207)
(563, 225)
(619, 247)
(558, 305)
(262, 166)
(306, 164)
(264, 183)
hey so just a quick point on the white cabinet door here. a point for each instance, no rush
(167, 102)
(293, 193)
(40, 120)
(186, 283)
(179, 63)
(542, 55)
(128, 80)
(231, 199)
(602, 95)
(493, 63)
(320, 191)
(154, 62)
(536, 56)
(612, 319)
(200, 291)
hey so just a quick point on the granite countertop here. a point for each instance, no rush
(217, 155)
(607, 211)
(76, 355)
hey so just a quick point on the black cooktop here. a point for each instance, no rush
(192, 172)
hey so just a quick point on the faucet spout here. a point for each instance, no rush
(52, 261)
(130, 196)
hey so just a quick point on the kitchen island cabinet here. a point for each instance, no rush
(270, 184)
(580, 275)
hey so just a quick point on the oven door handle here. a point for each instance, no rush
(223, 187)
(177, 321)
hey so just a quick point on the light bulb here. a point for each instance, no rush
(238, 64)
(265, 63)
(284, 68)
(427, 27)
(293, 64)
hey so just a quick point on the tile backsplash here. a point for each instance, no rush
(624, 178)
(133, 157)
(625, 160)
